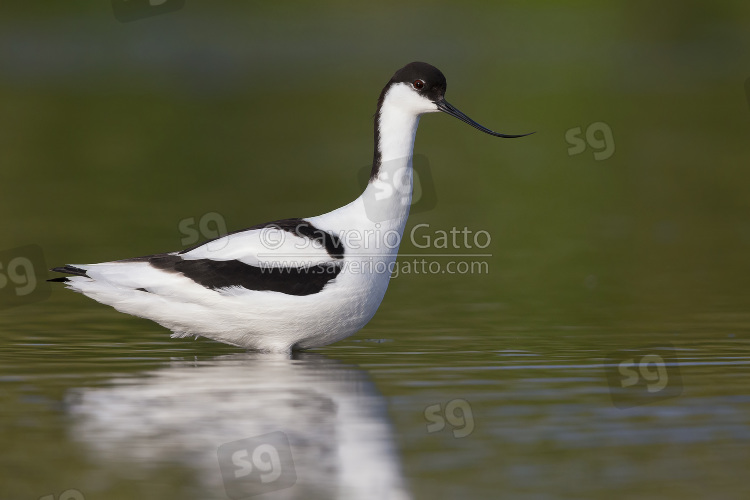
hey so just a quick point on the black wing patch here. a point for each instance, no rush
(217, 274)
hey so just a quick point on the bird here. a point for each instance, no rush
(295, 283)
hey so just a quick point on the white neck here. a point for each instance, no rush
(397, 124)
(391, 189)
(398, 128)
(386, 201)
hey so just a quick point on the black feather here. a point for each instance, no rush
(216, 275)
(75, 271)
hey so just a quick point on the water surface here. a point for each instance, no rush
(601, 352)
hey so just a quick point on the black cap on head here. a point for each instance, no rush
(434, 80)
(429, 82)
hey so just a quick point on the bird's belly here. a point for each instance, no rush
(346, 305)
(275, 321)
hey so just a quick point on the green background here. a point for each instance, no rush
(113, 133)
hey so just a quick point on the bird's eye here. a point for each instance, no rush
(418, 84)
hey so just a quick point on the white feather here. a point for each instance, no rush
(275, 321)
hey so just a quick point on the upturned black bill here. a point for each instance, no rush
(445, 107)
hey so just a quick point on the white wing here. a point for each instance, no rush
(290, 256)
(289, 243)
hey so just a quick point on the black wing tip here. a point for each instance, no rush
(75, 271)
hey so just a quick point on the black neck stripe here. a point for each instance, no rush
(376, 160)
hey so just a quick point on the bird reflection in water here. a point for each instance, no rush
(332, 415)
